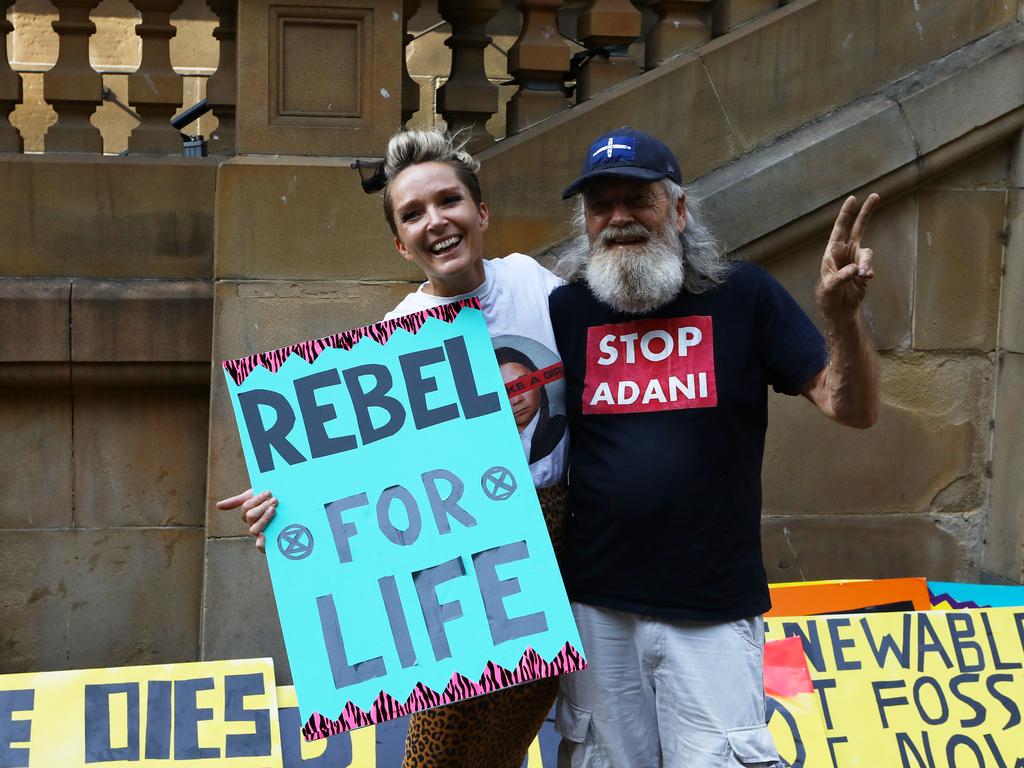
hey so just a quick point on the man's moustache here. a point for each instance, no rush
(610, 233)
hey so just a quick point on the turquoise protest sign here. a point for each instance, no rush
(409, 557)
(954, 596)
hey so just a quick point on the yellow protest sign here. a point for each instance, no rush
(218, 713)
(355, 749)
(792, 711)
(915, 689)
(797, 729)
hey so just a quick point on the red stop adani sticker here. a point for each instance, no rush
(661, 364)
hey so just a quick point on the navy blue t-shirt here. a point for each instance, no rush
(667, 414)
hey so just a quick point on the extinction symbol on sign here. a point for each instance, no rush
(498, 483)
(295, 542)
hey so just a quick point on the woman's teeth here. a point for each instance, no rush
(444, 245)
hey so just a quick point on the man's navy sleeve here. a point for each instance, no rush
(791, 349)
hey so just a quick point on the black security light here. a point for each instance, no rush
(371, 175)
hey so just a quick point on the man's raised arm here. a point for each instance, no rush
(846, 389)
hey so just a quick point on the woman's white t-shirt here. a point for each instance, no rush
(514, 300)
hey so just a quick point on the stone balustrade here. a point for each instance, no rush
(510, 64)
(95, 77)
(10, 88)
(221, 87)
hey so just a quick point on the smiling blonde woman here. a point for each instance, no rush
(433, 205)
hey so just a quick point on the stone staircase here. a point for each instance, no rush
(768, 113)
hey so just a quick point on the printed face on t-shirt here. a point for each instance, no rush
(524, 402)
(659, 364)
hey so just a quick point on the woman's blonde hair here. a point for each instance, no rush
(408, 148)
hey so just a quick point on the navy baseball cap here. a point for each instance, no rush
(624, 152)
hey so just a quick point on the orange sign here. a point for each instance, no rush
(876, 596)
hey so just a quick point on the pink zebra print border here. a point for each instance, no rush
(531, 667)
(240, 368)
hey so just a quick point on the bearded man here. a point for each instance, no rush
(668, 352)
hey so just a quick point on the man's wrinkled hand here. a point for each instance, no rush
(846, 266)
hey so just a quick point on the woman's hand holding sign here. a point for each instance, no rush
(257, 512)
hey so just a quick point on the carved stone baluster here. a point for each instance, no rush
(682, 24)
(72, 87)
(612, 25)
(155, 89)
(468, 99)
(10, 87)
(410, 88)
(538, 61)
(221, 90)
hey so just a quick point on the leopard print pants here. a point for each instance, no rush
(492, 731)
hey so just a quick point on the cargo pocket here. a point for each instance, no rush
(751, 746)
(577, 749)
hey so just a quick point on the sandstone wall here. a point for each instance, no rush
(912, 494)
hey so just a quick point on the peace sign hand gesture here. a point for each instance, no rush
(845, 266)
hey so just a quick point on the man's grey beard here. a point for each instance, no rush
(639, 278)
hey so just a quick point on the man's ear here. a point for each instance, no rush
(681, 211)
(485, 216)
(400, 247)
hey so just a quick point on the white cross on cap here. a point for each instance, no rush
(609, 147)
